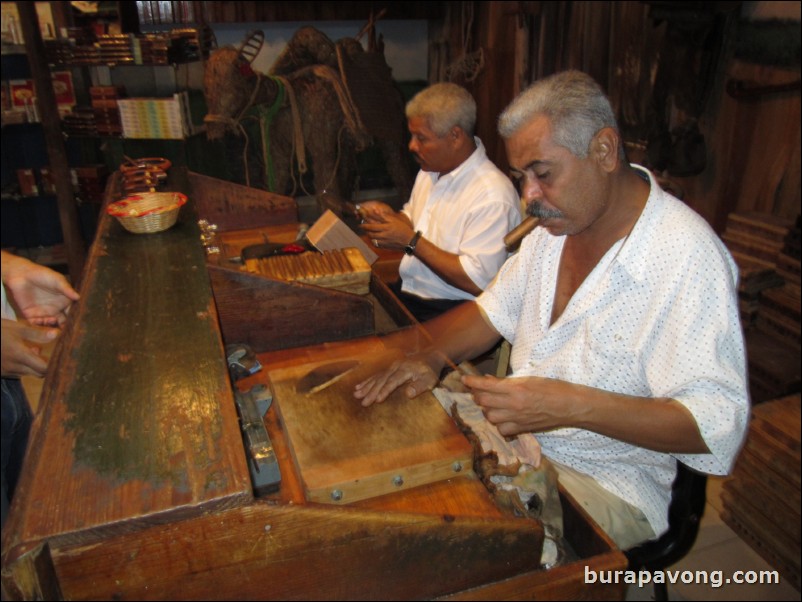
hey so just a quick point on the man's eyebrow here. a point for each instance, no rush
(532, 165)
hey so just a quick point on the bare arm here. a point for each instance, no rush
(459, 334)
(534, 404)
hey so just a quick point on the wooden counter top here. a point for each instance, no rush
(137, 422)
(136, 484)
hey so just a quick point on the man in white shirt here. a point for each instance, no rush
(628, 352)
(452, 228)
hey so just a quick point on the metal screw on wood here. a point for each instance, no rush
(457, 467)
(336, 495)
(398, 480)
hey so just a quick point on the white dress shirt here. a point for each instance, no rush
(468, 212)
(657, 317)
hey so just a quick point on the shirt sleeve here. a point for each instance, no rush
(699, 359)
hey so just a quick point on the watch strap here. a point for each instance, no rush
(410, 248)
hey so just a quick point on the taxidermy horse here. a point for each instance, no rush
(307, 117)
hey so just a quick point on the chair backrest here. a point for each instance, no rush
(684, 514)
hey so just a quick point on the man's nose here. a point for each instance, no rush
(413, 145)
(530, 188)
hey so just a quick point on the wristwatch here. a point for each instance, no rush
(410, 248)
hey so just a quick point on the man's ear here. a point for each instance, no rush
(455, 137)
(605, 148)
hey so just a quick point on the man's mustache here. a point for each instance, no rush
(536, 209)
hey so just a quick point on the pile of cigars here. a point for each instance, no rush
(341, 269)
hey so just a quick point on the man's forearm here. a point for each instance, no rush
(659, 424)
(13, 265)
(446, 265)
(462, 333)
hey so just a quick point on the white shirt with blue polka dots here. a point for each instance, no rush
(657, 317)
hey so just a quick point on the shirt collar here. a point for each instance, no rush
(631, 256)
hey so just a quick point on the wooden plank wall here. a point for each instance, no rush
(752, 144)
(758, 139)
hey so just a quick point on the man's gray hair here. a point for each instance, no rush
(444, 105)
(574, 104)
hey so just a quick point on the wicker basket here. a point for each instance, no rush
(145, 163)
(148, 212)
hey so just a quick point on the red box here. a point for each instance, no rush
(22, 93)
(48, 183)
(63, 88)
(27, 182)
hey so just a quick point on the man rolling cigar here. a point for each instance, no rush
(461, 206)
(621, 307)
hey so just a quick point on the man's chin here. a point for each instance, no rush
(554, 226)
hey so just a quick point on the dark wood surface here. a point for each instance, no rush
(137, 423)
(233, 207)
(272, 314)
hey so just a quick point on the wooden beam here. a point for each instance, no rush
(56, 152)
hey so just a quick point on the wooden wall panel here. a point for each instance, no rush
(752, 145)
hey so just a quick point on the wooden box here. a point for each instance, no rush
(330, 232)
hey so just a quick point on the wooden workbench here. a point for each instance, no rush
(136, 484)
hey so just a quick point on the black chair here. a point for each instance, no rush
(684, 514)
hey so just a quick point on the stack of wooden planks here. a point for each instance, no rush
(780, 307)
(762, 498)
(341, 269)
(769, 299)
(755, 240)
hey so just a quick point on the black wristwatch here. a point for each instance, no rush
(410, 248)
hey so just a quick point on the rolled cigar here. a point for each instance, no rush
(516, 235)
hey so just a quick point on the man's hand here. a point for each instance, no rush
(42, 295)
(393, 233)
(518, 405)
(461, 333)
(389, 229)
(22, 348)
(417, 374)
(374, 211)
(534, 404)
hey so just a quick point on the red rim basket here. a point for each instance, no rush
(148, 212)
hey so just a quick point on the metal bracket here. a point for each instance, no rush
(241, 361)
(252, 406)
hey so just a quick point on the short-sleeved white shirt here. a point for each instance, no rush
(657, 317)
(468, 212)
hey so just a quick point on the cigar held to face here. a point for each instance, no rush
(516, 235)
